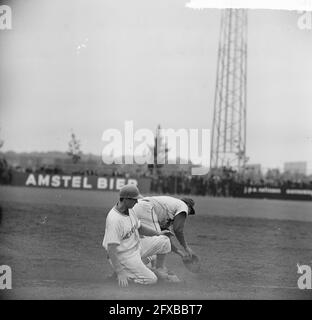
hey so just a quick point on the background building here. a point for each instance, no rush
(299, 167)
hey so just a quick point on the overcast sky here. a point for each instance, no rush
(153, 62)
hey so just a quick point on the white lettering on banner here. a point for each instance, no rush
(120, 183)
(102, 183)
(277, 190)
(298, 191)
(66, 180)
(85, 183)
(31, 180)
(269, 190)
(261, 190)
(43, 181)
(111, 184)
(56, 181)
(249, 190)
(76, 183)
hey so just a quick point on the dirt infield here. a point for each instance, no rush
(249, 248)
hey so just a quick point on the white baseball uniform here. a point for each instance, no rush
(159, 212)
(122, 230)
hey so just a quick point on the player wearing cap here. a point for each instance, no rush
(164, 212)
(122, 241)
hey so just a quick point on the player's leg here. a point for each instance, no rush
(145, 213)
(136, 270)
(159, 246)
(154, 245)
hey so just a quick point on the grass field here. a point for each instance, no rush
(249, 248)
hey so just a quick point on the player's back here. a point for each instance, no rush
(145, 213)
(166, 208)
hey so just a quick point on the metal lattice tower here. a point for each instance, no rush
(228, 147)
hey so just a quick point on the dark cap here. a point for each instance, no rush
(190, 203)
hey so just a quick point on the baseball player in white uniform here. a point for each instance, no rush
(126, 250)
(165, 212)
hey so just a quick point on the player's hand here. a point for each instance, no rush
(189, 252)
(167, 233)
(180, 253)
(122, 280)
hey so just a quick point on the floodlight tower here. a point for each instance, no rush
(228, 145)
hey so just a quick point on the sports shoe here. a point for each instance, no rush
(161, 273)
(173, 278)
(166, 276)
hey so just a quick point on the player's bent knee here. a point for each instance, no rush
(153, 279)
(165, 244)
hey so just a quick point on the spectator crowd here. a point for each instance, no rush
(223, 183)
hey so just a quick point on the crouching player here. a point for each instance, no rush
(127, 252)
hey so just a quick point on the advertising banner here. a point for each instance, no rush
(277, 193)
(77, 182)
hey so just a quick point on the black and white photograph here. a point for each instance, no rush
(155, 151)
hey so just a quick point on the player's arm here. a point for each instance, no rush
(176, 250)
(178, 229)
(146, 231)
(112, 252)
